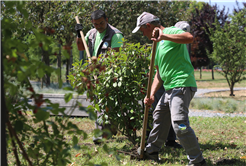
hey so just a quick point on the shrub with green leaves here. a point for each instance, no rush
(33, 137)
(115, 83)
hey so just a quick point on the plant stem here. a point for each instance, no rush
(18, 141)
(14, 148)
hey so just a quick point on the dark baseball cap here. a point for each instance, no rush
(143, 19)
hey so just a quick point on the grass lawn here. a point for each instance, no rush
(222, 140)
(206, 82)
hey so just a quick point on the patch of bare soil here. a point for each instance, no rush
(239, 94)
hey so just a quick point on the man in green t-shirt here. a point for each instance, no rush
(176, 73)
(100, 39)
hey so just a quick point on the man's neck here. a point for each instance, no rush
(161, 27)
(104, 29)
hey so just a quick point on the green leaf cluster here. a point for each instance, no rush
(115, 83)
(229, 50)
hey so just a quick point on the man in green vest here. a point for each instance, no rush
(99, 40)
(176, 73)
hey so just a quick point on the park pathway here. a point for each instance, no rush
(59, 98)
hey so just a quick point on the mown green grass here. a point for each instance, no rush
(219, 81)
(226, 105)
(219, 138)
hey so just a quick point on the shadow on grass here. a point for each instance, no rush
(216, 146)
(214, 160)
(170, 155)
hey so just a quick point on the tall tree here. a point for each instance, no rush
(56, 19)
(229, 49)
(37, 127)
(3, 145)
(123, 14)
(201, 21)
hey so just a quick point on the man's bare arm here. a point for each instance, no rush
(154, 88)
(80, 44)
(183, 38)
(157, 82)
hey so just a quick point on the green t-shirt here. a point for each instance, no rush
(115, 42)
(174, 63)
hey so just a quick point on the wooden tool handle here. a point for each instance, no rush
(146, 111)
(84, 42)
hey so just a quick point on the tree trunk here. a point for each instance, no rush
(67, 66)
(200, 72)
(71, 59)
(212, 73)
(59, 62)
(212, 70)
(231, 89)
(46, 60)
(3, 155)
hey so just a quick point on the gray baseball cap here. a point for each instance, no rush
(143, 19)
(184, 25)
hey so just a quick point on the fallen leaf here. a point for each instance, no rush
(124, 162)
(233, 145)
(77, 155)
(243, 157)
(214, 133)
(71, 164)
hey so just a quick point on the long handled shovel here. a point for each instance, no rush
(84, 42)
(146, 111)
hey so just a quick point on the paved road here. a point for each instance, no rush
(59, 98)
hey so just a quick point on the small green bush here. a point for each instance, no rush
(115, 83)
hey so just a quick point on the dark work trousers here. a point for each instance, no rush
(171, 134)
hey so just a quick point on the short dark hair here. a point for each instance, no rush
(98, 14)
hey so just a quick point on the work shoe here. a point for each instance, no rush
(152, 156)
(202, 163)
(173, 144)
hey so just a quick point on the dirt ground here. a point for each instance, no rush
(239, 94)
